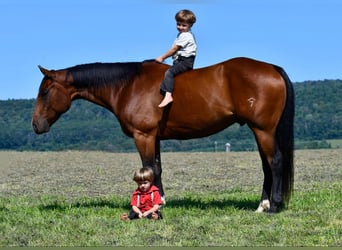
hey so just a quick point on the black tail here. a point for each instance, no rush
(284, 138)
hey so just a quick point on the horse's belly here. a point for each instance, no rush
(195, 127)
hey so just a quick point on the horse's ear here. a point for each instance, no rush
(46, 72)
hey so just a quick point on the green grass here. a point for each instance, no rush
(313, 218)
(75, 198)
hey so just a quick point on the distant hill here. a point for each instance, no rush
(86, 126)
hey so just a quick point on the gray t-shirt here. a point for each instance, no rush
(187, 42)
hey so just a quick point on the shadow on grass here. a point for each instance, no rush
(187, 202)
(90, 203)
(184, 202)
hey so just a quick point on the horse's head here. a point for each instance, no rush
(53, 100)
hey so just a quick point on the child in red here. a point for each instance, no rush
(146, 200)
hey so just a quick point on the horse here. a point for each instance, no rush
(206, 100)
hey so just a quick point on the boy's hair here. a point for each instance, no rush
(186, 16)
(143, 174)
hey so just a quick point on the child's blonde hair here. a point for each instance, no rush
(186, 16)
(143, 174)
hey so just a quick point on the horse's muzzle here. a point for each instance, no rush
(40, 126)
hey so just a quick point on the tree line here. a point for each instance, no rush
(86, 126)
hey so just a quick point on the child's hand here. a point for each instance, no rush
(159, 59)
(145, 214)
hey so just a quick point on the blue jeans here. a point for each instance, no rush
(180, 65)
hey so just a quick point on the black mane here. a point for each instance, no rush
(100, 74)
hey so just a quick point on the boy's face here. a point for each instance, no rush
(144, 186)
(183, 27)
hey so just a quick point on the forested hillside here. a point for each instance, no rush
(89, 127)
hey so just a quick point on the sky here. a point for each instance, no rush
(303, 37)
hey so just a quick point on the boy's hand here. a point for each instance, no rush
(145, 214)
(159, 59)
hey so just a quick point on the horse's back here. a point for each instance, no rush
(239, 73)
(209, 99)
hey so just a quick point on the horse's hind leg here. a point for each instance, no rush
(277, 202)
(271, 159)
(266, 187)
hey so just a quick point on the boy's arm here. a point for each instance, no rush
(168, 53)
(155, 208)
(137, 210)
(157, 203)
(134, 204)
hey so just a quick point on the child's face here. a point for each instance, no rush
(144, 186)
(183, 27)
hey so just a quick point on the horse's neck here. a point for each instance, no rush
(102, 96)
(102, 83)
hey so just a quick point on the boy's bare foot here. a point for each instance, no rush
(167, 99)
(155, 216)
(124, 217)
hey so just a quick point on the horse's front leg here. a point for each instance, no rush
(149, 150)
(158, 169)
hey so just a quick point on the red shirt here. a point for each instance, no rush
(146, 202)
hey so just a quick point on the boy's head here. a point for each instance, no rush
(185, 16)
(143, 174)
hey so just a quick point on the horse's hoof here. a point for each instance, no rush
(163, 200)
(264, 206)
(274, 209)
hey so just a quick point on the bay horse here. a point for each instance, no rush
(206, 101)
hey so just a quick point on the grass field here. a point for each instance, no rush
(76, 198)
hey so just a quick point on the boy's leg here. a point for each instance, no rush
(155, 215)
(133, 215)
(168, 82)
(167, 99)
(160, 216)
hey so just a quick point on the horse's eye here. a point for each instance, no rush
(44, 92)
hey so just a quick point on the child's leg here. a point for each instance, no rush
(168, 82)
(167, 99)
(159, 215)
(133, 215)
(167, 87)
(155, 216)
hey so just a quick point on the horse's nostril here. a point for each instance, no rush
(40, 126)
(34, 126)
